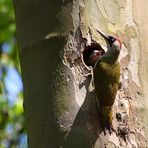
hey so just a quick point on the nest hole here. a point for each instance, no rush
(92, 53)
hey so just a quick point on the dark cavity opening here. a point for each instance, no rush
(92, 53)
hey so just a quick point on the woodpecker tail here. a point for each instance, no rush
(105, 117)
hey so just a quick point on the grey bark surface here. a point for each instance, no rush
(60, 111)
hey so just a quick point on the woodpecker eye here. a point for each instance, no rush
(111, 40)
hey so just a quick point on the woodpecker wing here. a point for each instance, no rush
(106, 80)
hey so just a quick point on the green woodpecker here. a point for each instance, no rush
(106, 80)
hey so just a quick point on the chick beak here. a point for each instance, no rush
(103, 35)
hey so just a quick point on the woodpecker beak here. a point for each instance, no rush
(103, 35)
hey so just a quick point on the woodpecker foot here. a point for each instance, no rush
(120, 85)
(108, 128)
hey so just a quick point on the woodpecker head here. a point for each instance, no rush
(114, 44)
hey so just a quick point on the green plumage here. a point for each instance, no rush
(106, 80)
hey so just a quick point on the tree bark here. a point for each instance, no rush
(60, 111)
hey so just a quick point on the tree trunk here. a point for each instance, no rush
(60, 111)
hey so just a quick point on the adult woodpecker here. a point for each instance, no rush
(106, 79)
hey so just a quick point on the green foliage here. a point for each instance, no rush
(7, 26)
(11, 111)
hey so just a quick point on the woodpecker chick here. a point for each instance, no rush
(106, 80)
(92, 53)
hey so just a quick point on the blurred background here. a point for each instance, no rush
(12, 128)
